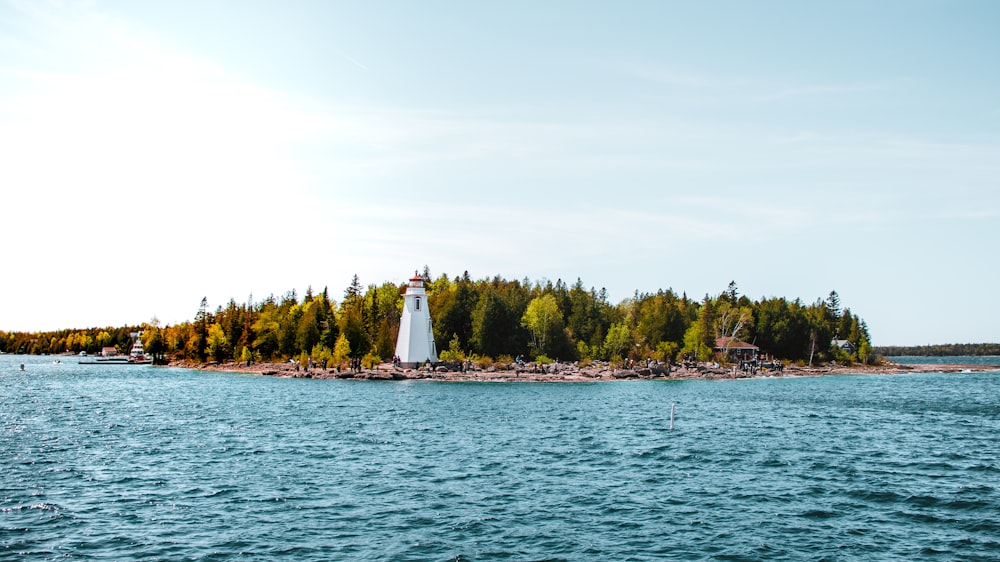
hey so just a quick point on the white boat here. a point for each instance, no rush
(109, 356)
(136, 355)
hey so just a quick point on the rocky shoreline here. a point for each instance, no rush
(568, 372)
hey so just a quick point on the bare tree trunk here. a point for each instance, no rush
(812, 347)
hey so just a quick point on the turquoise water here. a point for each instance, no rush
(128, 463)
(943, 360)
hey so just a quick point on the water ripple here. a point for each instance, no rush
(166, 464)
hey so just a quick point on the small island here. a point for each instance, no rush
(495, 329)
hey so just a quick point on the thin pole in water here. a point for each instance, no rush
(672, 405)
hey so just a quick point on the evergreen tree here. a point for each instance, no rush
(308, 333)
(197, 344)
(833, 304)
(328, 320)
(351, 320)
(353, 292)
(706, 322)
(288, 331)
(452, 312)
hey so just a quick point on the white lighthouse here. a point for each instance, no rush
(415, 343)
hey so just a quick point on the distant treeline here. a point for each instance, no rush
(488, 319)
(90, 340)
(944, 350)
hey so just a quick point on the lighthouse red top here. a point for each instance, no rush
(416, 280)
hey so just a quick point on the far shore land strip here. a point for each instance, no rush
(569, 372)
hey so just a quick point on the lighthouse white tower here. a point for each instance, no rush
(415, 343)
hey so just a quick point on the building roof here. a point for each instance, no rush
(733, 343)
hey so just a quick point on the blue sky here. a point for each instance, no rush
(152, 153)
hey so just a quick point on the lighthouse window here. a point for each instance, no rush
(418, 303)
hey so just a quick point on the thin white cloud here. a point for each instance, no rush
(821, 90)
(714, 89)
(353, 61)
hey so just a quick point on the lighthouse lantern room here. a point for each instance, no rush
(415, 343)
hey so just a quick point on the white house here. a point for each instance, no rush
(415, 343)
(845, 345)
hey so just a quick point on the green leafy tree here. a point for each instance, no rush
(370, 360)
(820, 330)
(661, 318)
(321, 353)
(492, 317)
(266, 329)
(865, 354)
(694, 343)
(342, 349)
(454, 351)
(781, 328)
(218, 344)
(104, 339)
(666, 351)
(194, 348)
(706, 321)
(154, 343)
(177, 337)
(541, 315)
(618, 342)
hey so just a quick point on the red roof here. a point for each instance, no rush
(732, 343)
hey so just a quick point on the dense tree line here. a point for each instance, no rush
(944, 350)
(488, 319)
(90, 340)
